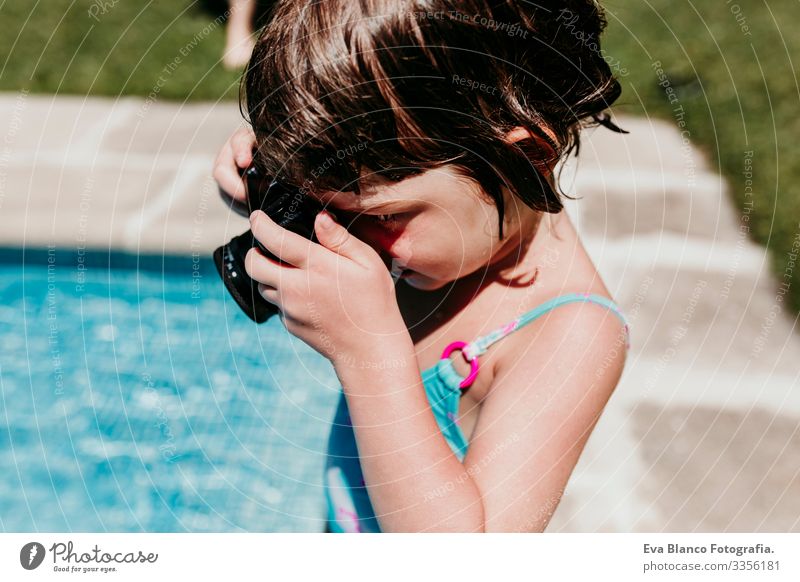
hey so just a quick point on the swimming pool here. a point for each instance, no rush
(135, 396)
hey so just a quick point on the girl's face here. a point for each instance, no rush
(434, 227)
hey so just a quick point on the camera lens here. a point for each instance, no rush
(229, 260)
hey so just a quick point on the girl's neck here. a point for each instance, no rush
(517, 263)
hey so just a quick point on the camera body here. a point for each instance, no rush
(290, 208)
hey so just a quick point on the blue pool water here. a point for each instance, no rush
(135, 396)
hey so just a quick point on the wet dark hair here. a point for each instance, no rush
(336, 89)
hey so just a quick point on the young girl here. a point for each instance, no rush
(474, 340)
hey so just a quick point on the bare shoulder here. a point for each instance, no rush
(550, 386)
(583, 337)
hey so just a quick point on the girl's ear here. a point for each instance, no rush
(520, 134)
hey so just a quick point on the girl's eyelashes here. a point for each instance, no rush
(386, 218)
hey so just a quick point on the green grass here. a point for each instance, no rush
(124, 51)
(739, 91)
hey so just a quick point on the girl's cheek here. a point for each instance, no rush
(423, 246)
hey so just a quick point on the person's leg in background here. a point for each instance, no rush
(239, 39)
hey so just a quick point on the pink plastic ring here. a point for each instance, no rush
(473, 364)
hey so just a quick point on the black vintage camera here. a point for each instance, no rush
(288, 207)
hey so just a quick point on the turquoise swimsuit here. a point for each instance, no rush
(349, 507)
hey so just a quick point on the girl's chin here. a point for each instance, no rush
(421, 282)
(412, 278)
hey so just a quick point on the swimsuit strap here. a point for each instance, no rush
(478, 347)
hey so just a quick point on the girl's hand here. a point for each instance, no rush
(236, 153)
(337, 296)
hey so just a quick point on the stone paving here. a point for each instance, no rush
(702, 432)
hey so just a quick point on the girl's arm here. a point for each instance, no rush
(339, 297)
(404, 457)
(531, 430)
(539, 413)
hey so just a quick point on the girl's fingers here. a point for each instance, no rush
(234, 156)
(242, 142)
(268, 293)
(228, 178)
(332, 235)
(288, 246)
(262, 269)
